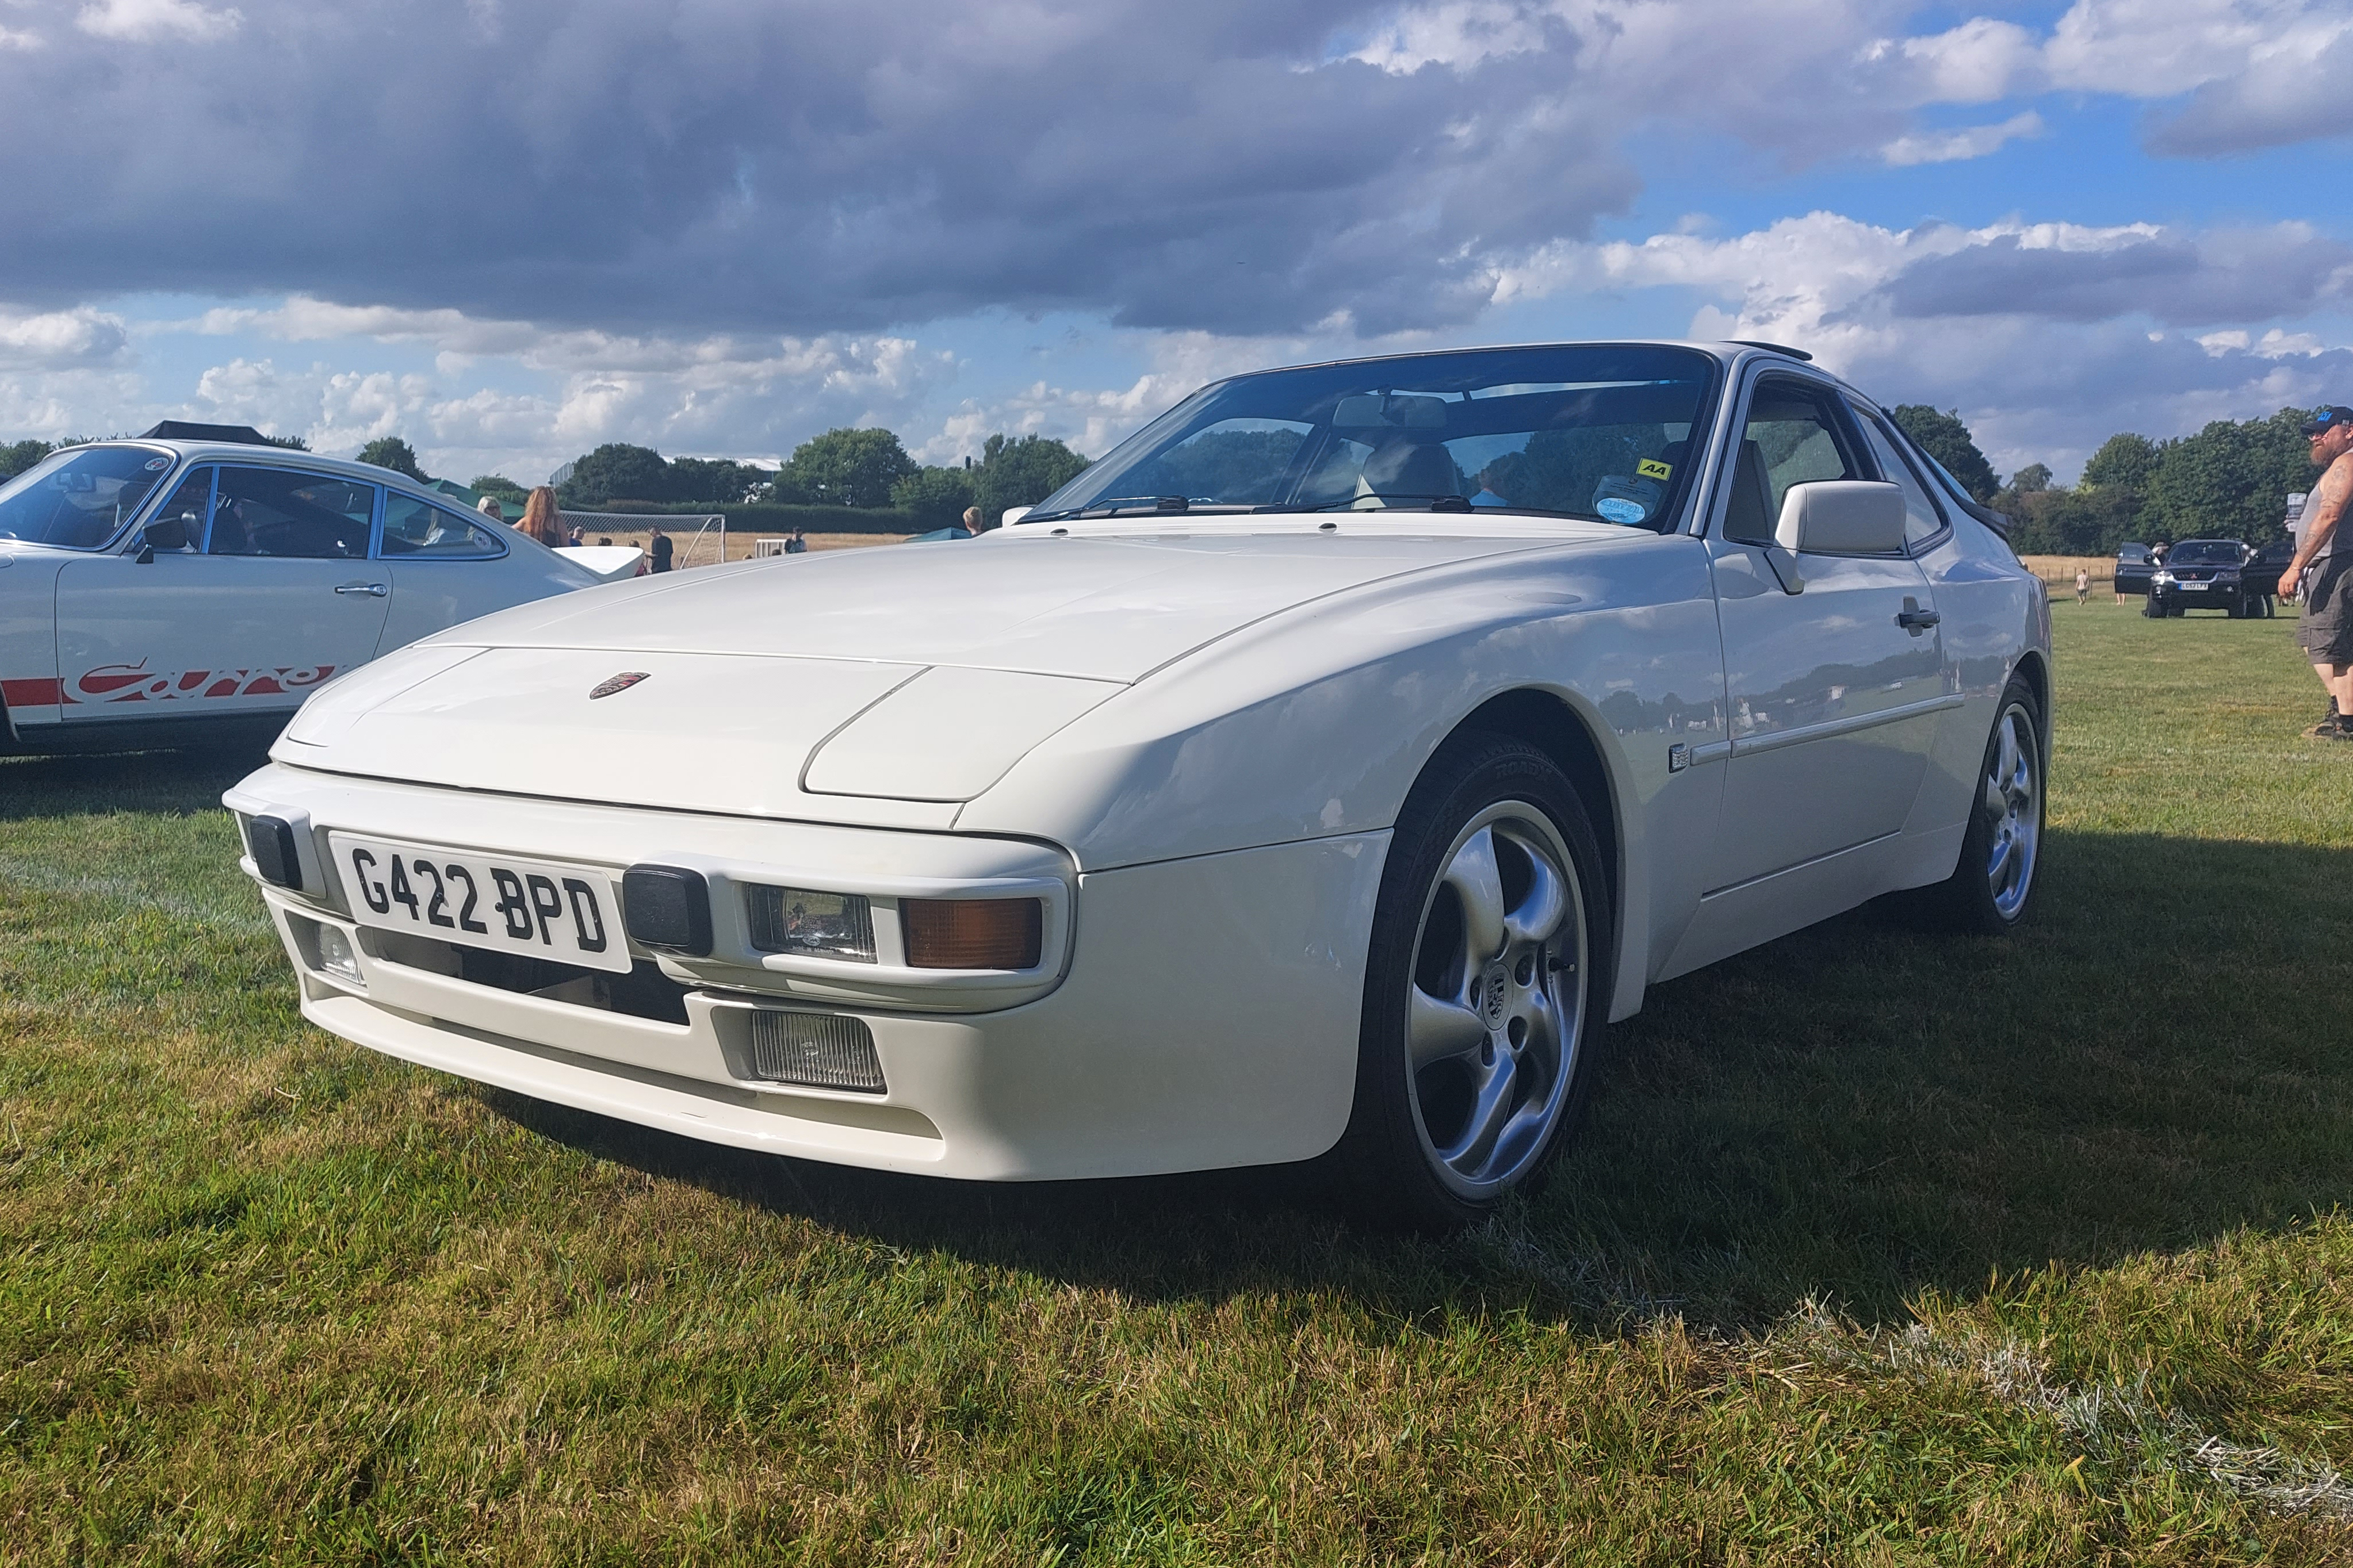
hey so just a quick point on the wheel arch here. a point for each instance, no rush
(1571, 738)
(2035, 670)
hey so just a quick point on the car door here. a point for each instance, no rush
(447, 567)
(1834, 672)
(269, 592)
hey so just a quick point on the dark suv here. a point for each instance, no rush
(2210, 575)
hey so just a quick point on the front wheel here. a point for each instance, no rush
(1485, 989)
(2152, 608)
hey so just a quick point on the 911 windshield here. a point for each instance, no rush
(79, 497)
(1600, 431)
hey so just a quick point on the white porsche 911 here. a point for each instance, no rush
(198, 579)
(1315, 775)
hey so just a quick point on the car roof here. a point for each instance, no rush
(248, 454)
(1727, 353)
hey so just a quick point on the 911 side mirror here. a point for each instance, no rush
(163, 533)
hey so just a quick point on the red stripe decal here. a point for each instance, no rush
(32, 693)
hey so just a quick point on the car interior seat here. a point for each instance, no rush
(1410, 469)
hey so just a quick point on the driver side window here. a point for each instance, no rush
(1793, 437)
(188, 506)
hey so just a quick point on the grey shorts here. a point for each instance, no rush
(2325, 630)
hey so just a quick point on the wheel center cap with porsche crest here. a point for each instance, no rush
(622, 682)
(1498, 994)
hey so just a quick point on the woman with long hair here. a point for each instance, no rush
(539, 518)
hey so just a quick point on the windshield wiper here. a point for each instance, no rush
(1448, 502)
(1146, 505)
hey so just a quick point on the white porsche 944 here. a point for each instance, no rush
(1316, 775)
(156, 589)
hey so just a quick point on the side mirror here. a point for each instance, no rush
(163, 533)
(1842, 517)
(1013, 514)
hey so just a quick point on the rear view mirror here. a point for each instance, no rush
(1842, 517)
(1388, 410)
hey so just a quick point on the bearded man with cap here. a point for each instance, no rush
(2325, 630)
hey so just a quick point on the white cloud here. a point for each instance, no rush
(150, 21)
(58, 339)
(1954, 146)
(19, 39)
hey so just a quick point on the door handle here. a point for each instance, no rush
(373, 590)
(1915, 619)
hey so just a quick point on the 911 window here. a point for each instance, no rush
(417, 528)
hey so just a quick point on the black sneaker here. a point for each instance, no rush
(2332, 727)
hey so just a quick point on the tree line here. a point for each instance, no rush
(867, 469)
(2230, 481)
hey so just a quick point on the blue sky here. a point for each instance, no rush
(509, 230)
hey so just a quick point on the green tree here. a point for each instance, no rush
(849, 468)
(500, 487)
(390, 452)
(2232, 480)
(1945, 438)
(2029, 480)
(2123, 458)
(716, 482)
(617, 472)
(18, 456)
(935, 496)
(1020, 473)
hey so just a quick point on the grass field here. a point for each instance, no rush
(1877, 1248)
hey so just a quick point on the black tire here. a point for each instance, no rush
(1391, 1163)
(2152, 608)
(1967, 899)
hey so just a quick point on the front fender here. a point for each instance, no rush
(1317, 724)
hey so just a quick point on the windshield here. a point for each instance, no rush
(79, 497)
(2205, 553)
(1596, 431)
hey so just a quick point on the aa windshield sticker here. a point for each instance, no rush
(1651, 469)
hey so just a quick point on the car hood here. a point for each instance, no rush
(802, 686)
(1102, 609)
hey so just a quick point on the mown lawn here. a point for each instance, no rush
(1877, 1248)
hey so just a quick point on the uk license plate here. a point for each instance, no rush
(2191, 587)
(529, 908)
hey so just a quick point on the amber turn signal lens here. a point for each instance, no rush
(973, 934)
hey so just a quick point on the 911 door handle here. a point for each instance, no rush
(374, 590)
(1912, 618)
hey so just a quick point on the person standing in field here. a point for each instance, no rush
(2083, 586)
(661, 550)
(489, 507)
(539, 518)
(2325, 630)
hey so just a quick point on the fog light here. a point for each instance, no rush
(820, 925)
(336, 957)
(816, 1049)
(973, 934)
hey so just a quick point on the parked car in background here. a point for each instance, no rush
(1316, 775)
(2210, 575)
(2135, 567)
(199, 581)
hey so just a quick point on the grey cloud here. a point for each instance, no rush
(2236, 277)
(694, 164)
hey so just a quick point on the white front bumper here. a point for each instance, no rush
(1206, 1015)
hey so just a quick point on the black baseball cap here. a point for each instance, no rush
(2326, 417)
